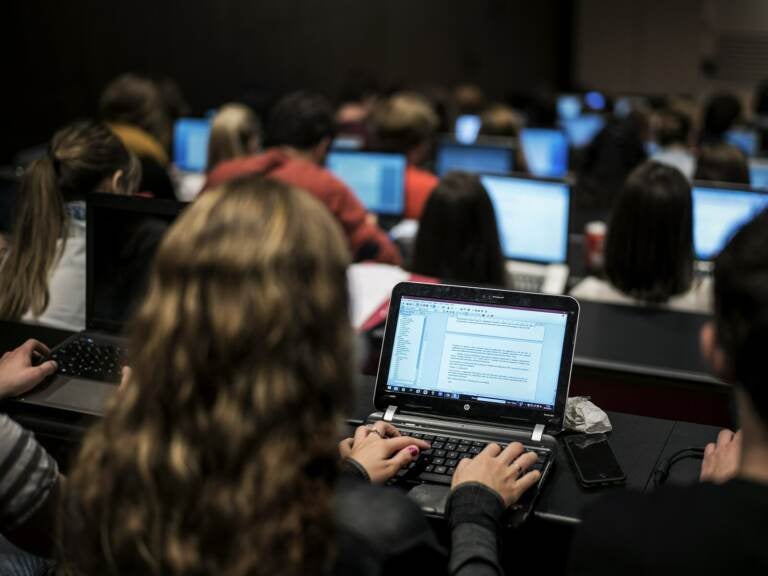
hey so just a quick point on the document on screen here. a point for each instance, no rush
(407, 347)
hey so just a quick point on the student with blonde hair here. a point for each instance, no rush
(235, 132)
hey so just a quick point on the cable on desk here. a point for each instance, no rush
(661, 473)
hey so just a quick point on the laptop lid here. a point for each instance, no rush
(745, 139)
(376, 178)
(477, 158)
(719, 210)
(758, 173)
(122, 235)
(582, 129)
(532, 215)
(477, 354)
(568, 106)
(190, 144)
(546, 151)
(467, 128)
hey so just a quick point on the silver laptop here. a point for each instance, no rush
(533, 216)
(121, 238)
(461, 367)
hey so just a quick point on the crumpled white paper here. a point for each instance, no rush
(582, 415)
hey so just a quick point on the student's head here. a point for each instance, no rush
(469, 99)
(736, 342)
(235, 132)
(649, 246)
(672, 128)
(721, 112)
(500, 120)
(404, 123)
(458, 239)
(218, 455)
(139, 102)
(302, 121)
(720, 162)
(82, 158)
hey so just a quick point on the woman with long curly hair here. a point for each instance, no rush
(219, 454)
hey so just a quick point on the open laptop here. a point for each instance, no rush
(461, 367)
(758, 173)
(122, 236)
(467, 128)
(546, 151)
(376, 178)
(532, 216)
(497, 157)
(582, 129)
(719, 210)
(745, 139)
(190, 155)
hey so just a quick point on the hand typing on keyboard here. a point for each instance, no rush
(381, 450)
(503, 471)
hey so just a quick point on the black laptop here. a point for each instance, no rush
(122, 236)
(461, 367)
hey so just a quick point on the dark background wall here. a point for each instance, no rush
(217, 50)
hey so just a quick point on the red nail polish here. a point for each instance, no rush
(413, 450)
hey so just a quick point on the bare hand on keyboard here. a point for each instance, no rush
(503, 471)
(18, 372)
(381, 450)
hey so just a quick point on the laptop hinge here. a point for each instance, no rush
(390, 413)
(538, 432)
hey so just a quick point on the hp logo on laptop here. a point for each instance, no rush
(466, 407)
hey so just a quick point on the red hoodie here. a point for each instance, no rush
(366, 240)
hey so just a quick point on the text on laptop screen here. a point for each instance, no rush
(378, 180)
(582, 130)
(744, 139)
(190, 144)
(546, 151)
(758, 174)
(718, 214)
(470, 351)
(476, 159)
(532, 216)
(467, 128)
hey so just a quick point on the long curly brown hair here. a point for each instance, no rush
(218, 456)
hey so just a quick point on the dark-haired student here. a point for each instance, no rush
(299, 133)
(405, 123)
(718, 526)
(672, 130)
(501, 121)
(721, 162)
(42, 269)
(220, 453)
(457, 242)
(649, 257)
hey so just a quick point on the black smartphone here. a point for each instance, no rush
(594, 461)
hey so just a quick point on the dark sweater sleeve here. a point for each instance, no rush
(474, 513)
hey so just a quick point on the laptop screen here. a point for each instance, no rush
(190, 144)
(377, 179)
(582, 130)
(546, 151)
(476, 159)
(485, 353)
(718, 213)
(532, 216)
(744, 139)
(123, 234)
(758, 174)
(568, 106)
(467, 128)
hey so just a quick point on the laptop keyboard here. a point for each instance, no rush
(528, 282)
(438, 464)
(86, 358)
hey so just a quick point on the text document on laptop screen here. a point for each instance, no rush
(718, 214)
(378, 180)
(532, 217)
(470, 351)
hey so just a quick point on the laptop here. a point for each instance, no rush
(461, 367)
(546, 151)
(190, 155)
(122, 236)
(758, 173)
(467, 128)
(476, 158)
(568, 106)
(582, 129)
(532, 216)
(719, 210)
(376, 178)
(745, 139)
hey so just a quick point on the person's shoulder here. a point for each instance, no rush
(418, 177)
(593, 288)
(244, 166)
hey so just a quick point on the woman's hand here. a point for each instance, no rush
(17, 372)
(722, 460)
(381, 450)
(503, 471)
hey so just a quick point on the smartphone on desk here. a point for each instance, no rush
(594, 461)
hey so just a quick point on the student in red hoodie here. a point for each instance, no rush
(299, 133)
(406, 123)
